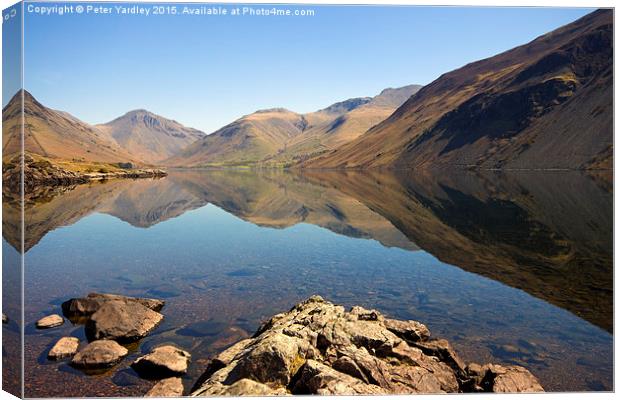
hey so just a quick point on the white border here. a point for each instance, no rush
(485, 3)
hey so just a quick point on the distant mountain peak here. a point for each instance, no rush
(149, 135)
(274, 110)
(347, 105)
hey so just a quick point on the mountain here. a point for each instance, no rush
(55, 134)
(345, 126)
(148, 136)
(280, 136)
(546, 104)
(247, 140)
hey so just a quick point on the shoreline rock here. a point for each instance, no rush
(319, 348)
(51, 321)
(170, 387)
(65, 347)
(45, 173)
(86, 306)
(99, 354)
(123, 321)
(163, 361)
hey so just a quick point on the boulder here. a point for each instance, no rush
(51, 321)
(443, 350)
(504, 379)
(122, 321)
(99, 354)
(163, 361)
(221, 361)
(86, 306)
(65, 347)
(319, 348)
(272, 360)
(317, 378)
(169, 387)
(412, 331)
(243, 387)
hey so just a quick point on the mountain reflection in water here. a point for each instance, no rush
(549, 234)
(212, 241)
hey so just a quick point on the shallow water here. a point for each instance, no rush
(510, 268)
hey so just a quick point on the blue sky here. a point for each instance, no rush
(206, 71)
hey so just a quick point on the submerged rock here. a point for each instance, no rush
(170, 387)
(319, 348)
(86, 306)
(163, 361)
(51, 321)
(99, 354)
(124, 321)
(65, 347)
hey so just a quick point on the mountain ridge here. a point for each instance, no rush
(149, 135)
(56, 134)
(498, 111)
(280, 137)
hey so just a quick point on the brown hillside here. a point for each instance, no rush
(546, 104)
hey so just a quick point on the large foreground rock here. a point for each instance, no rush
(99, 354)
(319, 348)
(122, 321)
(87, 306)
(163, 361)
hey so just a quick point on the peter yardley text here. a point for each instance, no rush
(146, 10)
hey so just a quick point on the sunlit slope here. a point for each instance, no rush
(55, 134)
(149, 136)
(279, 137)
(546, 104)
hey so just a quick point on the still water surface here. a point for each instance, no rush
(510, 268)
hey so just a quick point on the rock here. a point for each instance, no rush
(170, 387)
(243, 387)
(51, 321)
(442, 349)
(319, 348)
(412, 331)
(42, 172)
(122, 321)
(99, 354)
(5, 319)
(221, 361)
(272, 360)
(317, 378)
(163, 361)
(86, 306)
(65, 347)
(509, 379)
(365, 315)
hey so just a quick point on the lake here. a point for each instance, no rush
(513, 268)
